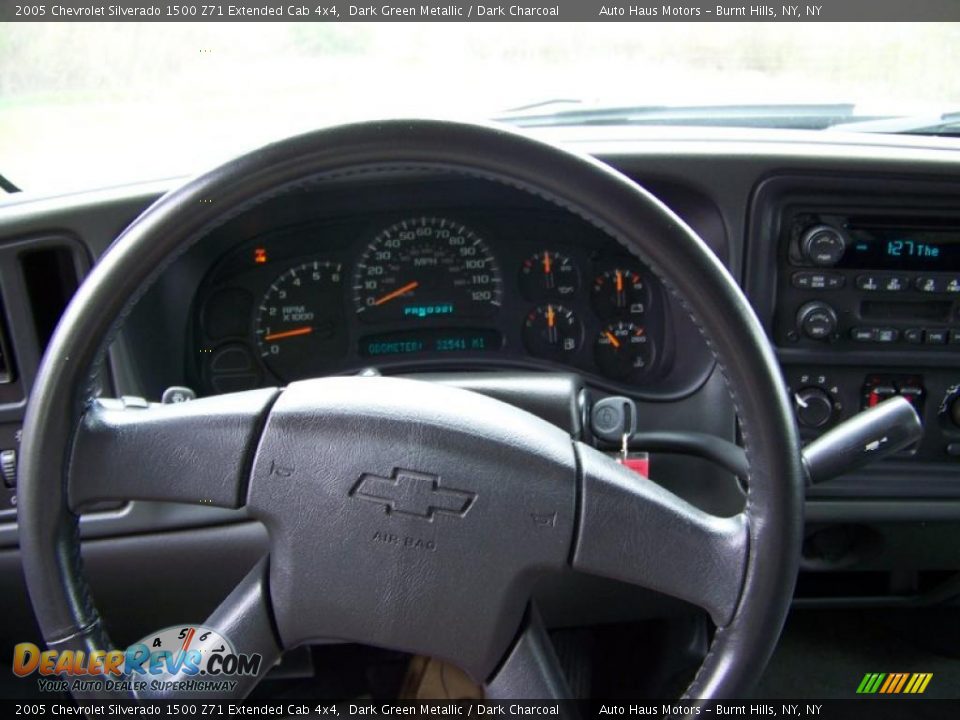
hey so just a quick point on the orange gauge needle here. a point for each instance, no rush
(288, 334)
(547, 265)
(612, 338)
(551, 316)
(619, 281)
(397, 293)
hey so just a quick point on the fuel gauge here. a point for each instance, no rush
(624, 351)
(552, 330)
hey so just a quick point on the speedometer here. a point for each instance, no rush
(426, 267)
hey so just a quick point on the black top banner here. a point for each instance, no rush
(213, 707)
(465, 11)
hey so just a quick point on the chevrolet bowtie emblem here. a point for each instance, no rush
(407, 492)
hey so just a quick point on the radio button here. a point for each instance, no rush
(823, 245)
(936, 337)
(914, 336)
(953, 286)
(817, 320)
(863, 334)
(887, 335)
(817, 281)
(870, 283)
(896, 283)
(930, 284)
(955, 337)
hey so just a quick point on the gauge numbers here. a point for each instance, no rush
(619, 292)
(552, 331)
(424, 268)
(623, 351)
(299, 321)
(548, 274)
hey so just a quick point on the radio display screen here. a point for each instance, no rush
(902, 249)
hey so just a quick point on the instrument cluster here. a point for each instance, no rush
(428, 291)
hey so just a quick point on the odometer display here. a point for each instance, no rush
(424, 268)
(430, 341)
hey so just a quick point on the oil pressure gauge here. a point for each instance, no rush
(548, 274)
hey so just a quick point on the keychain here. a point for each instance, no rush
(639, 462)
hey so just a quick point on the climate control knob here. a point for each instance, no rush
(823, 245)
(817, 320)
(814, 407)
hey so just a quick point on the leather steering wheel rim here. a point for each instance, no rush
(65, 384)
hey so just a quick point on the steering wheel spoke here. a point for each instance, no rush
(246, 617)
(531, 668)
(634, 530)
(195, 452)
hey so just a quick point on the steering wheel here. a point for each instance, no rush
(405, 514)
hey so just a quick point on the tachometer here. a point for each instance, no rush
(299, 325)
(426, 267)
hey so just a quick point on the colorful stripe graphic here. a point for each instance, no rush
(894, 683)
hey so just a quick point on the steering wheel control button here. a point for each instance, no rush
(823, 245)
(817, 320)
(8, 467)
(177, 394)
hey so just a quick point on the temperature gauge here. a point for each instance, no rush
(619, 293)
(624, 351)
(552, 330)
(548, 274)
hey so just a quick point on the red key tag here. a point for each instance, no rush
(639, 462)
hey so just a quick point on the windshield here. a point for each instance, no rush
(86, 105)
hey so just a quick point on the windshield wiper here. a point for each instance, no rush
(8, 186)
(945, 124)
(792, 117)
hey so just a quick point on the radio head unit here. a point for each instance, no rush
(868, 277)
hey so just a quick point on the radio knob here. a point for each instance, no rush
(823, 245)
(954, 411)
(814, 407)
(817, 320)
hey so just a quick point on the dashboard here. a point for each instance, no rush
(430, 274)
(404, 289)
(413, 274)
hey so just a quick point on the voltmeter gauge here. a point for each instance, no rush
(552, 331)
(619, 293)
(624, 351)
